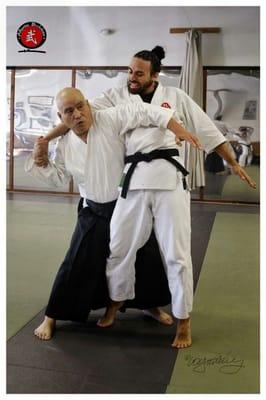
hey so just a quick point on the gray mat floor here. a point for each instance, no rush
(134, 356)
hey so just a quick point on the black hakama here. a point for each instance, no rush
(80, 284)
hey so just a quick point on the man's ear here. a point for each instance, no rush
(59, 115)
(155, 76)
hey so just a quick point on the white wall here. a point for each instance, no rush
(73, 34)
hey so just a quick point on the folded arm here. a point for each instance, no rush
(41, 151)
(54, 174)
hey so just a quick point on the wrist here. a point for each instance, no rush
(43, 139)
(234, 164)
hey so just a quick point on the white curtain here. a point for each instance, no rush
(191, 81)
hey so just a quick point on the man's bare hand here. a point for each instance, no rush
(238, 170)
(192, 139)
(182, 134)
(40, 152)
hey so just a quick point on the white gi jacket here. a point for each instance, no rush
(97, 166)
(160, 174)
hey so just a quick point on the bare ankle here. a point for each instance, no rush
(183, 334)
(184, 321)
(115, 305)
(49, 320)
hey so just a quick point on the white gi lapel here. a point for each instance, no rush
(158, 95)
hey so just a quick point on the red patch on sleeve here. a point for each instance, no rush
(165, 105)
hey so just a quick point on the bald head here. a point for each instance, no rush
(67, 93)
(74, 110)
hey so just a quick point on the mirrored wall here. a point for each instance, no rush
(8, 116)
(232, 102)
(34, 115)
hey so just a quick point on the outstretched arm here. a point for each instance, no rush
(211, 138)
(225, 153)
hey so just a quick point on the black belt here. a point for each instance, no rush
(166, 154)
(101, 209)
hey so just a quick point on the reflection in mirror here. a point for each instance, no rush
(35, 115)
(8, 98)
(93, 82)
(233, 105)
(170, 77)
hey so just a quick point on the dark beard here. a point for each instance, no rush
(141, 89)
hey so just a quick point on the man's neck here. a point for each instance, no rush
(147, 97)
(82, 136)
(151, 88)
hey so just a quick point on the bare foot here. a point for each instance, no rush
(160, 315)
(46, 330)
(110, 313)
(183, 334)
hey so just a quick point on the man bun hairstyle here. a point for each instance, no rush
(159, 52)
(154, 56)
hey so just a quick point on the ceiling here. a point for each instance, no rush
(77, 29)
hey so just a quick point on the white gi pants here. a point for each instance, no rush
(245, 157)
(131, 225)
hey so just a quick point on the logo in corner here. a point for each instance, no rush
(31, 35)
(165, 105)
